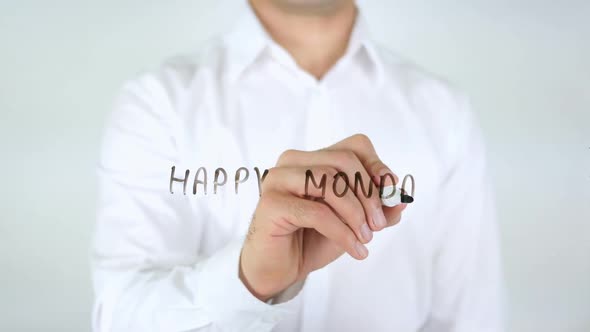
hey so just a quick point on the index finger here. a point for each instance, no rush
(381, 175)
(362, 146)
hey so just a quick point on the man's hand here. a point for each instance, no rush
(292, 235)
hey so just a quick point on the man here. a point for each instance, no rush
(300, 86)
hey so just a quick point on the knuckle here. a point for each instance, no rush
(270, 179)
(362, 139)
(330, 172)
(320, 171)
(379, 168)
(376, 165)
(272, 171)
(346, 157)
(286, 156)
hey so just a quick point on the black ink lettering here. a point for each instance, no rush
(173, 179)
(405, 198)
(358, 181)
(264, 174)
(322, 185)
(237, 179)
(382, 185)
(197, 181)
(334, 184)
(216, 183)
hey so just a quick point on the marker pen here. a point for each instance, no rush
(400, 196)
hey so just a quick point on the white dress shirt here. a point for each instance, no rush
(169, 262)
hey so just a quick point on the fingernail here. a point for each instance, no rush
(361, 250)
(379, 218)
(366, 232)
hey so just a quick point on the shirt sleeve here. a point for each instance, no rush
(468, 292)
(152, 268)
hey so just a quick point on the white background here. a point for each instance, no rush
(526, 65)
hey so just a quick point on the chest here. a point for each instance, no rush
(245, 130)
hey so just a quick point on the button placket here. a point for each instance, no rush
(318, 129)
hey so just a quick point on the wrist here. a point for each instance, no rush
(263, 296)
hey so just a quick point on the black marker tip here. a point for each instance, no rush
(407, 199)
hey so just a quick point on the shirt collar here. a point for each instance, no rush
(248, 39)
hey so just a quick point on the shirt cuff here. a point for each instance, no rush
(229, 303)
